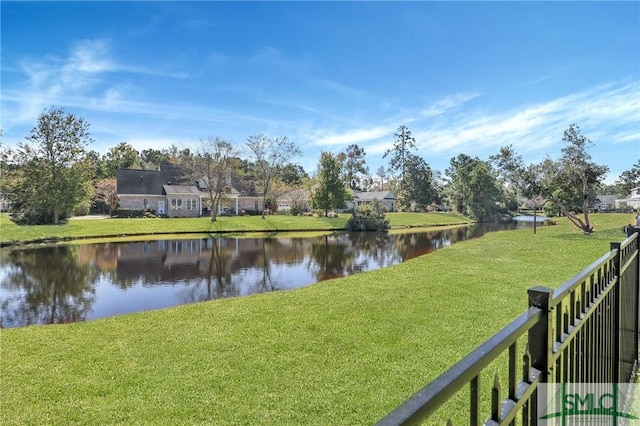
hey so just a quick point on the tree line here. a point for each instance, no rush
(53, 175)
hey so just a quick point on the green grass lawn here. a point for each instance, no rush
(344, 351)
(76, 228)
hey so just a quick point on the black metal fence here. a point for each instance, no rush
(586, 331)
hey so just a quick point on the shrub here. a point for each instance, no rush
(23, 215)
(369, 217)
(82, 209)
(133, 213)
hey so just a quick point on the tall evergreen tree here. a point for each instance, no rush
(400, 153)
(355, 168)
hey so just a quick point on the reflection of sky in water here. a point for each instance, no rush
(112, 300)
(131, 277)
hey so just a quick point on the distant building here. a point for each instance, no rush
(170, 191)
(362, 198)
(632, 200)
(604, 203)
(5, 203)
(301, 197)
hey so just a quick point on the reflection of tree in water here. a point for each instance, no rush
(332, 257)
(53, 287)
(377, 247)
(416, 244)
(216, 273)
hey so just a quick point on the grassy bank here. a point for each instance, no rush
(343, 351)
(11, 233)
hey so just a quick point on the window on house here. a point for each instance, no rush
(145, 203)
(191, 204)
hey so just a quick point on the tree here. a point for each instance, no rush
(570, 182)
(354, 166)
(486, 196)
(152, 158)
(106, 192)
(419, 187)
(400, 152)
(268, 156)
(293, 175)
(628, 180)
(457, 186)
(54, 175)
(330, 192)
(472, 188)
(382, 174)
(213, 164)
(510, 167)
(122, 156)
(7, 170)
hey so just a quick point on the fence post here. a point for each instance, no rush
(636, 306)
(617, 326)
(541, 335)
(540, 341)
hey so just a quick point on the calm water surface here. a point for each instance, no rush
(61, 284)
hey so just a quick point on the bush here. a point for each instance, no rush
(32, 216)
(369, 217)
(82, 209)
(133, 213)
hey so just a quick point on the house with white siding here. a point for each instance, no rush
(632, 200)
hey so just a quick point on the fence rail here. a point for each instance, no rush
(586, 331)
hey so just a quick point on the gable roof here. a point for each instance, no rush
(175, 174)
(606, 199)
(299, 194)
(150, 182)
(370, 196)
(181, 190)
(136, 181)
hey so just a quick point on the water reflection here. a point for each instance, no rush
(49, 285)
(52, 285)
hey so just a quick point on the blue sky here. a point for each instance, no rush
(465, 77)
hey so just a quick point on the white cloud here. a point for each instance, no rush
(448, 103)
(353, 136)
(603, 107)
(371, 136)
(74, 81)
(90, 56)
(607, 114)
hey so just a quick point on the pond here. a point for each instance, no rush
(68, 283)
